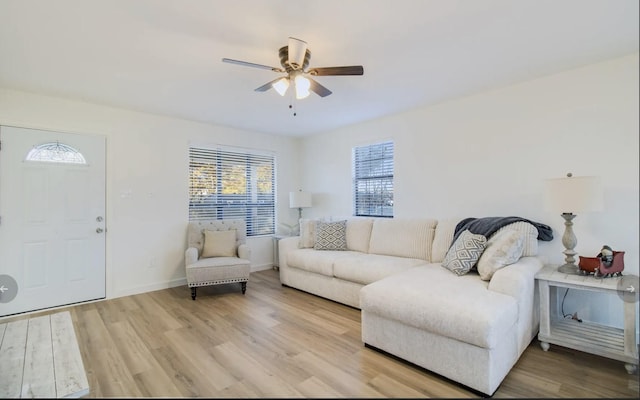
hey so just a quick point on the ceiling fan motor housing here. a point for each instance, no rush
(289, 67)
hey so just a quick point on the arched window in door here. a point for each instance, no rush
(55, 152)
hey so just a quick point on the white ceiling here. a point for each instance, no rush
(164, 56)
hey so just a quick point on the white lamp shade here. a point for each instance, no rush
(281, 86)
(302, 87)
(576, 194)
(299, 199)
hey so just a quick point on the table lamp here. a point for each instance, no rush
(570, 195)
(299, 200)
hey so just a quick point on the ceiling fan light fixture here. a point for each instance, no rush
(302, 87)
(297, 50)
(281, 86)
(294, 59)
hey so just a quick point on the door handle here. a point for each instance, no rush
(99, 230)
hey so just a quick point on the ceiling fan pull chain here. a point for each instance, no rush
(292, 102)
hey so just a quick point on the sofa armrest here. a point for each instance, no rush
(285, 245)
(244, 251)
(518, 280)
(190, 256)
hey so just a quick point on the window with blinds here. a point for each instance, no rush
(373, 180)
(226, 184)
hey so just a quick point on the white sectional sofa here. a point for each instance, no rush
(465, 328)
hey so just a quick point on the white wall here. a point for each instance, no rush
(483, 155)
(489, 154)
(147, 182)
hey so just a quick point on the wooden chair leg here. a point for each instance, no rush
(244, 287)
(193, 293)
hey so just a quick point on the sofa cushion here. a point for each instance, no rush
(445, 231)
(320, 262)
(411, 238)
(433, 299)
(307, 233)
(359, 233)
(503, 248)
(464, 253)
(367, 268)
(442, 238)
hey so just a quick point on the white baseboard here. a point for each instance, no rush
(150, 288)
(261, 267)
(173, 283)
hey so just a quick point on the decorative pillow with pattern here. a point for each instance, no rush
(503, 248)
(464, 253)
(331, 235)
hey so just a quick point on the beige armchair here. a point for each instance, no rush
(217, 254)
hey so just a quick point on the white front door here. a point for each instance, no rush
(52, 219)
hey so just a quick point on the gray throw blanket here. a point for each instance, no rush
(487, 226)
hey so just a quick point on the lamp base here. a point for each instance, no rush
(570, 269)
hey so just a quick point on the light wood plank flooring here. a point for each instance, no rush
(280, 342)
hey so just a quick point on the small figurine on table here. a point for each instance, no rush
(606, 255)
(611, 263)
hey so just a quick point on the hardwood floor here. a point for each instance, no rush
(280, 342)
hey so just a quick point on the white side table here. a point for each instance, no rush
(606, 341)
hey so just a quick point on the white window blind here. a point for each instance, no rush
(373, 180)
(226, 184)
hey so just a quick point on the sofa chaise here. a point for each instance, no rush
(470, 327)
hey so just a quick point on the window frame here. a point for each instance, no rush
(258, 209)
(55, 153)
(373, 171)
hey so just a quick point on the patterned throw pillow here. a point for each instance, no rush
(331, 235)
(464, 253)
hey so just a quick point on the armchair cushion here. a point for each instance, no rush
(219, 244)
(195, 232)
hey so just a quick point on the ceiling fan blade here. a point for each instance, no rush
(254, 65)
(318, 88)
(267, 86)
(349, 70)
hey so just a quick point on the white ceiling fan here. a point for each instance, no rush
(294, 59)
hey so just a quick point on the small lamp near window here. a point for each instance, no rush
(572, 195)
(299, 200)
